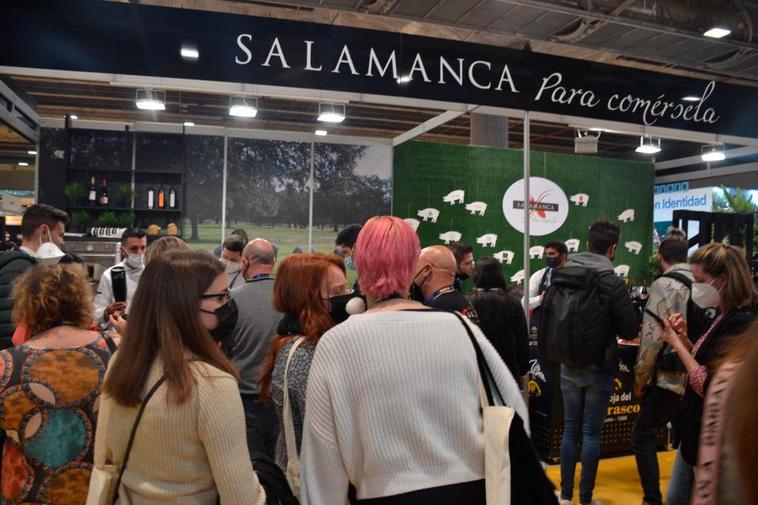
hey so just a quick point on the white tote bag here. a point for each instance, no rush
(496, 422)
(497, 461)
(293, 460)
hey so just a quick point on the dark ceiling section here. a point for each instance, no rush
(666, 34)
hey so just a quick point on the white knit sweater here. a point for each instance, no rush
(393, 406)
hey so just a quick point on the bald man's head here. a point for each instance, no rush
(435, 269)
(258, 257)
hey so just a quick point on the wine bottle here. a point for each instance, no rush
(161, 197)
(92, 198)
(150, 197)
(171, 198)
(104, 194)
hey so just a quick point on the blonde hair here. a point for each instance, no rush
(164, 244)
(49, 295)
(730, 263)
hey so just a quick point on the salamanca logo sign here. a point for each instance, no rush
(478, 73)
(548, 206)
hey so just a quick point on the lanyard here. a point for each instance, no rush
(438, 293)
(259, 277)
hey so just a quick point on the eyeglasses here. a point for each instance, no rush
(222, 297)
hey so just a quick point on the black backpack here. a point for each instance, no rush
(574, 322)
(271, 477)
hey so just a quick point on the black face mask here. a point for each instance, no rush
(227, 316)
(417, 295)
(338, 311)
(462, 277)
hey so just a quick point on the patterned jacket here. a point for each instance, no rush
(666, 296)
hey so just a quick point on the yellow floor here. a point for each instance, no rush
(618, 482)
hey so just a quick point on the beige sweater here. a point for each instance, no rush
(186, 454)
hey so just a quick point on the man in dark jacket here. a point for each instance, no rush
(586, 391)
(41, 223)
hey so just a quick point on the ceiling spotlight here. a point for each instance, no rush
(648, 146)
(331, 112)
(404, 78)
(31, 153)
(73, 116)
(189, 123)
(585, 143)
(149, 99)
(23, 164)
(320, 133)
(691, 98)
(717, 32)
(189, 53)
(243, 107)
(712, 153)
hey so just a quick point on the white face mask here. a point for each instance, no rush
(48, 253)
(705, 295)
(231, 266)
(135, 261)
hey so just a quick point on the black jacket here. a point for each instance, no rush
(623, 319)
(12, 264)
(731, 325)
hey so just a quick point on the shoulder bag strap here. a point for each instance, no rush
(289, 423)
(112, 346)
(131, 437)
(485, 374)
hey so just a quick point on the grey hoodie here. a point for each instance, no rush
(590, 260)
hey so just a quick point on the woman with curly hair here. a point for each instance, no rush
(49, 389)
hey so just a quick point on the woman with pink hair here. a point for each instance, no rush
(393, 393)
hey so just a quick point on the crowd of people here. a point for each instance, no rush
(235, 377)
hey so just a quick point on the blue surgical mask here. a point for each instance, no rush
(349, 263)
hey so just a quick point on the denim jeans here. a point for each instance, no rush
(586, 392)
(658, 407)
(262, 426)
(682, 480)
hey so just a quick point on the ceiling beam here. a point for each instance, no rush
(428, 125)
(692, 160)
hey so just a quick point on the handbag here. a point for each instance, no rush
(106, 480)
(293, 460)
(512, 469)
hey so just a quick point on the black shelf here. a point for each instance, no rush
(97, 208)
(100, 170)
(158, 210)
(155, 172)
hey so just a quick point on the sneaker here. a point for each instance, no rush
(562, 501)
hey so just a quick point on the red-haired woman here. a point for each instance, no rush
(310, 290)
(393, 394)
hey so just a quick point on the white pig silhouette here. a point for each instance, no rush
(622, 271)
(450, 236)
(429, 213)
(504, 256)
(572, 244)
(536, 252)
(626, 216)
(518, 277)
(580, 199)
(454, 197)
(412, 222)
(476, 208)
(488, 239)
(634, 247)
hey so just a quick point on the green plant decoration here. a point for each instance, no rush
(81, 220)
(125, 194)
(108, 219)
(74, 192)
(126, 220)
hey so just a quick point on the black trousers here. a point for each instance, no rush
(262, 425)
(467, 493)
(658, 407)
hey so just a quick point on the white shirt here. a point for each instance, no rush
(104, 295)
(28, 251)
(392, 406)
(535, 299)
